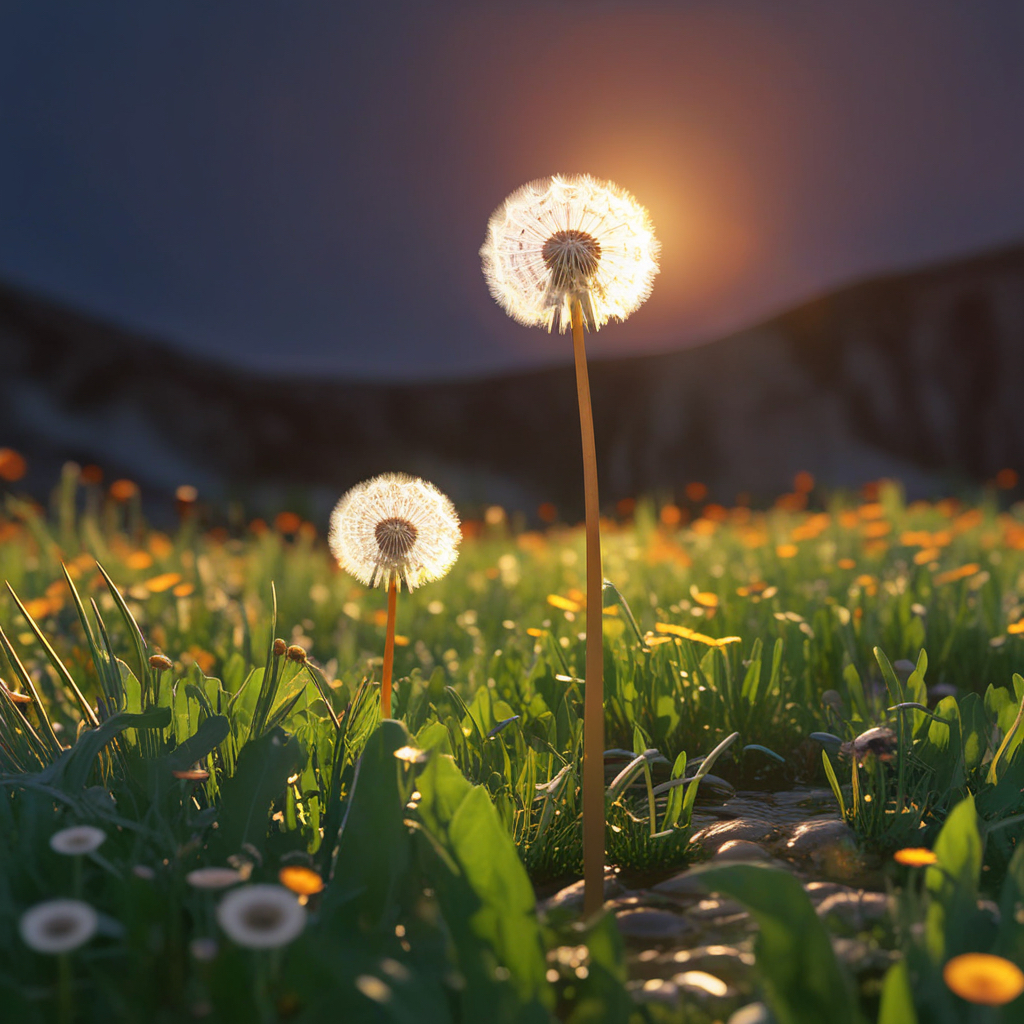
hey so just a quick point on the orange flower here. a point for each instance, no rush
(846, 563)
(915, 857)
(287, 522)
(166, 580)
(984, 978)
(670, 515)
(952, 575)
(704, 597)
(12, 465)
(301, 880)
(803, 482)
(926, 555)
(563, 603)
(786, 550)
(689, 634)
(696, 491)
(1006, 479)
(547, 512)
(122, 490)
(139, 560)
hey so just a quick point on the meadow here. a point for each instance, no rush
(207, 698)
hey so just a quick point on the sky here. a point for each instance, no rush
(304, 186)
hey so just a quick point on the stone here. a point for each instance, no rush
(855, 909)
(571, 897)
(683, 884)
(752, 1013)
(702, 984)
(742, 849)
(651, 925)
(752, 830)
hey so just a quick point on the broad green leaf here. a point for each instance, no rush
(803, 981)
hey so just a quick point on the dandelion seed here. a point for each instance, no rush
(984, 978)
(261, 916)
(77, 840)
(58, 926)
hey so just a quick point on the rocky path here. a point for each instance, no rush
(688, 946)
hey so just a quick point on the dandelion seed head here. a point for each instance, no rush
(213, 878)
(77, 840)
(261, 916)
(58, 926)
(566, 238)
(395, 527)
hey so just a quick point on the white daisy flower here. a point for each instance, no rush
(570, 238)
(393, 528)
(261, 916)
(77, 840)
(58, 926)
(213, 878)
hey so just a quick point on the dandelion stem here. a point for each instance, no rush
(593, 701)
(389, 652)
(65, 995)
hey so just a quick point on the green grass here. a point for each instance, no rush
(770, 626)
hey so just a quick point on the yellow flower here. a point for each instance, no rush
(301, 880)
(570, 238)
(984, 978)
(915, 857)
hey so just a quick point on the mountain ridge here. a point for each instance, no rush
(912, 374)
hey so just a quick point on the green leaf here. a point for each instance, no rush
(897, 1005)
(207, 738)
(373, 847)
(803, 981)
(261, 777)
(71, 770)
(463, 822)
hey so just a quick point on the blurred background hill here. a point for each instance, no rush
(915, 376)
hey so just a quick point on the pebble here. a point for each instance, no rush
(752, 830)
(855, 909)
(752, 1013)
(651, 925)
(742, 849)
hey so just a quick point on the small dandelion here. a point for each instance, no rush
(213, 878)
(261, 916)
(561, 251)
(58, 926)
(77, 840)
(984, 978)
(390, 529)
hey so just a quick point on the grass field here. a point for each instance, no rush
(731, 631)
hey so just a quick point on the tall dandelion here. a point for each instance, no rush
(389, 530)
(574, 251)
